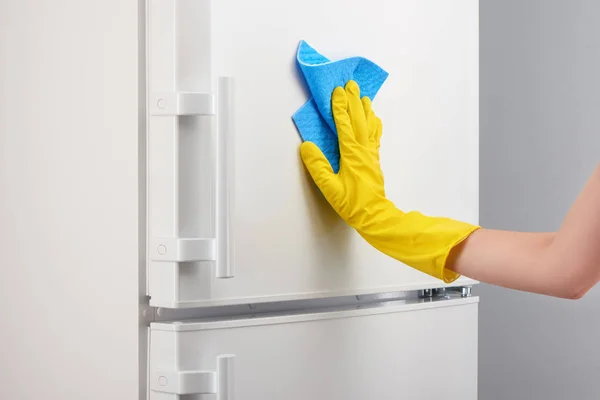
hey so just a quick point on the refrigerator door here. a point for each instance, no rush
(242, 221)
(397, 350)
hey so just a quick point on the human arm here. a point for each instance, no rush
(562, 264)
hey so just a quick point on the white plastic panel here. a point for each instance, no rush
(70, 200)
(289, 244)
(399, 350)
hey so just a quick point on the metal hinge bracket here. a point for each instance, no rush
(463, 291)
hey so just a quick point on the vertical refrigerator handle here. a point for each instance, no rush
(225, 178)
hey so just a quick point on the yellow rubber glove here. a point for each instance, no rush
(357, 192)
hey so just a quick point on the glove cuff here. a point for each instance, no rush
(417, 240)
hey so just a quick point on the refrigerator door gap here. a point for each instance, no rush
(312, 305)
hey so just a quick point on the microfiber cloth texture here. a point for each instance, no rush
(314, 120)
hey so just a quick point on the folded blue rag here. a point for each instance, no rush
(314, 120)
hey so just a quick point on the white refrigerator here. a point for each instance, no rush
(161, 237)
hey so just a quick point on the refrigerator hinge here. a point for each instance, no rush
(218, 382)
(462, 291)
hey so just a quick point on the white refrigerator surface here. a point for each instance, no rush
(396, 350)
(287, 243)
(160, 236)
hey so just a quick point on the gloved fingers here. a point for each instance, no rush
(318, 167)
(374, 126)
(369, 114)
(346, 139)
(373, 122)
(378, 133)
(376, 144)
(357, 113)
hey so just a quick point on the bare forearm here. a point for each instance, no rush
(514, 260)
(561, 264)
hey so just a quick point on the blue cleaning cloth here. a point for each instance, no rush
(314, 120)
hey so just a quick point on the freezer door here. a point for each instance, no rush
(399, 350)
(259, 229)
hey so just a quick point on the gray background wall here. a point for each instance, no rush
(540, 140)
